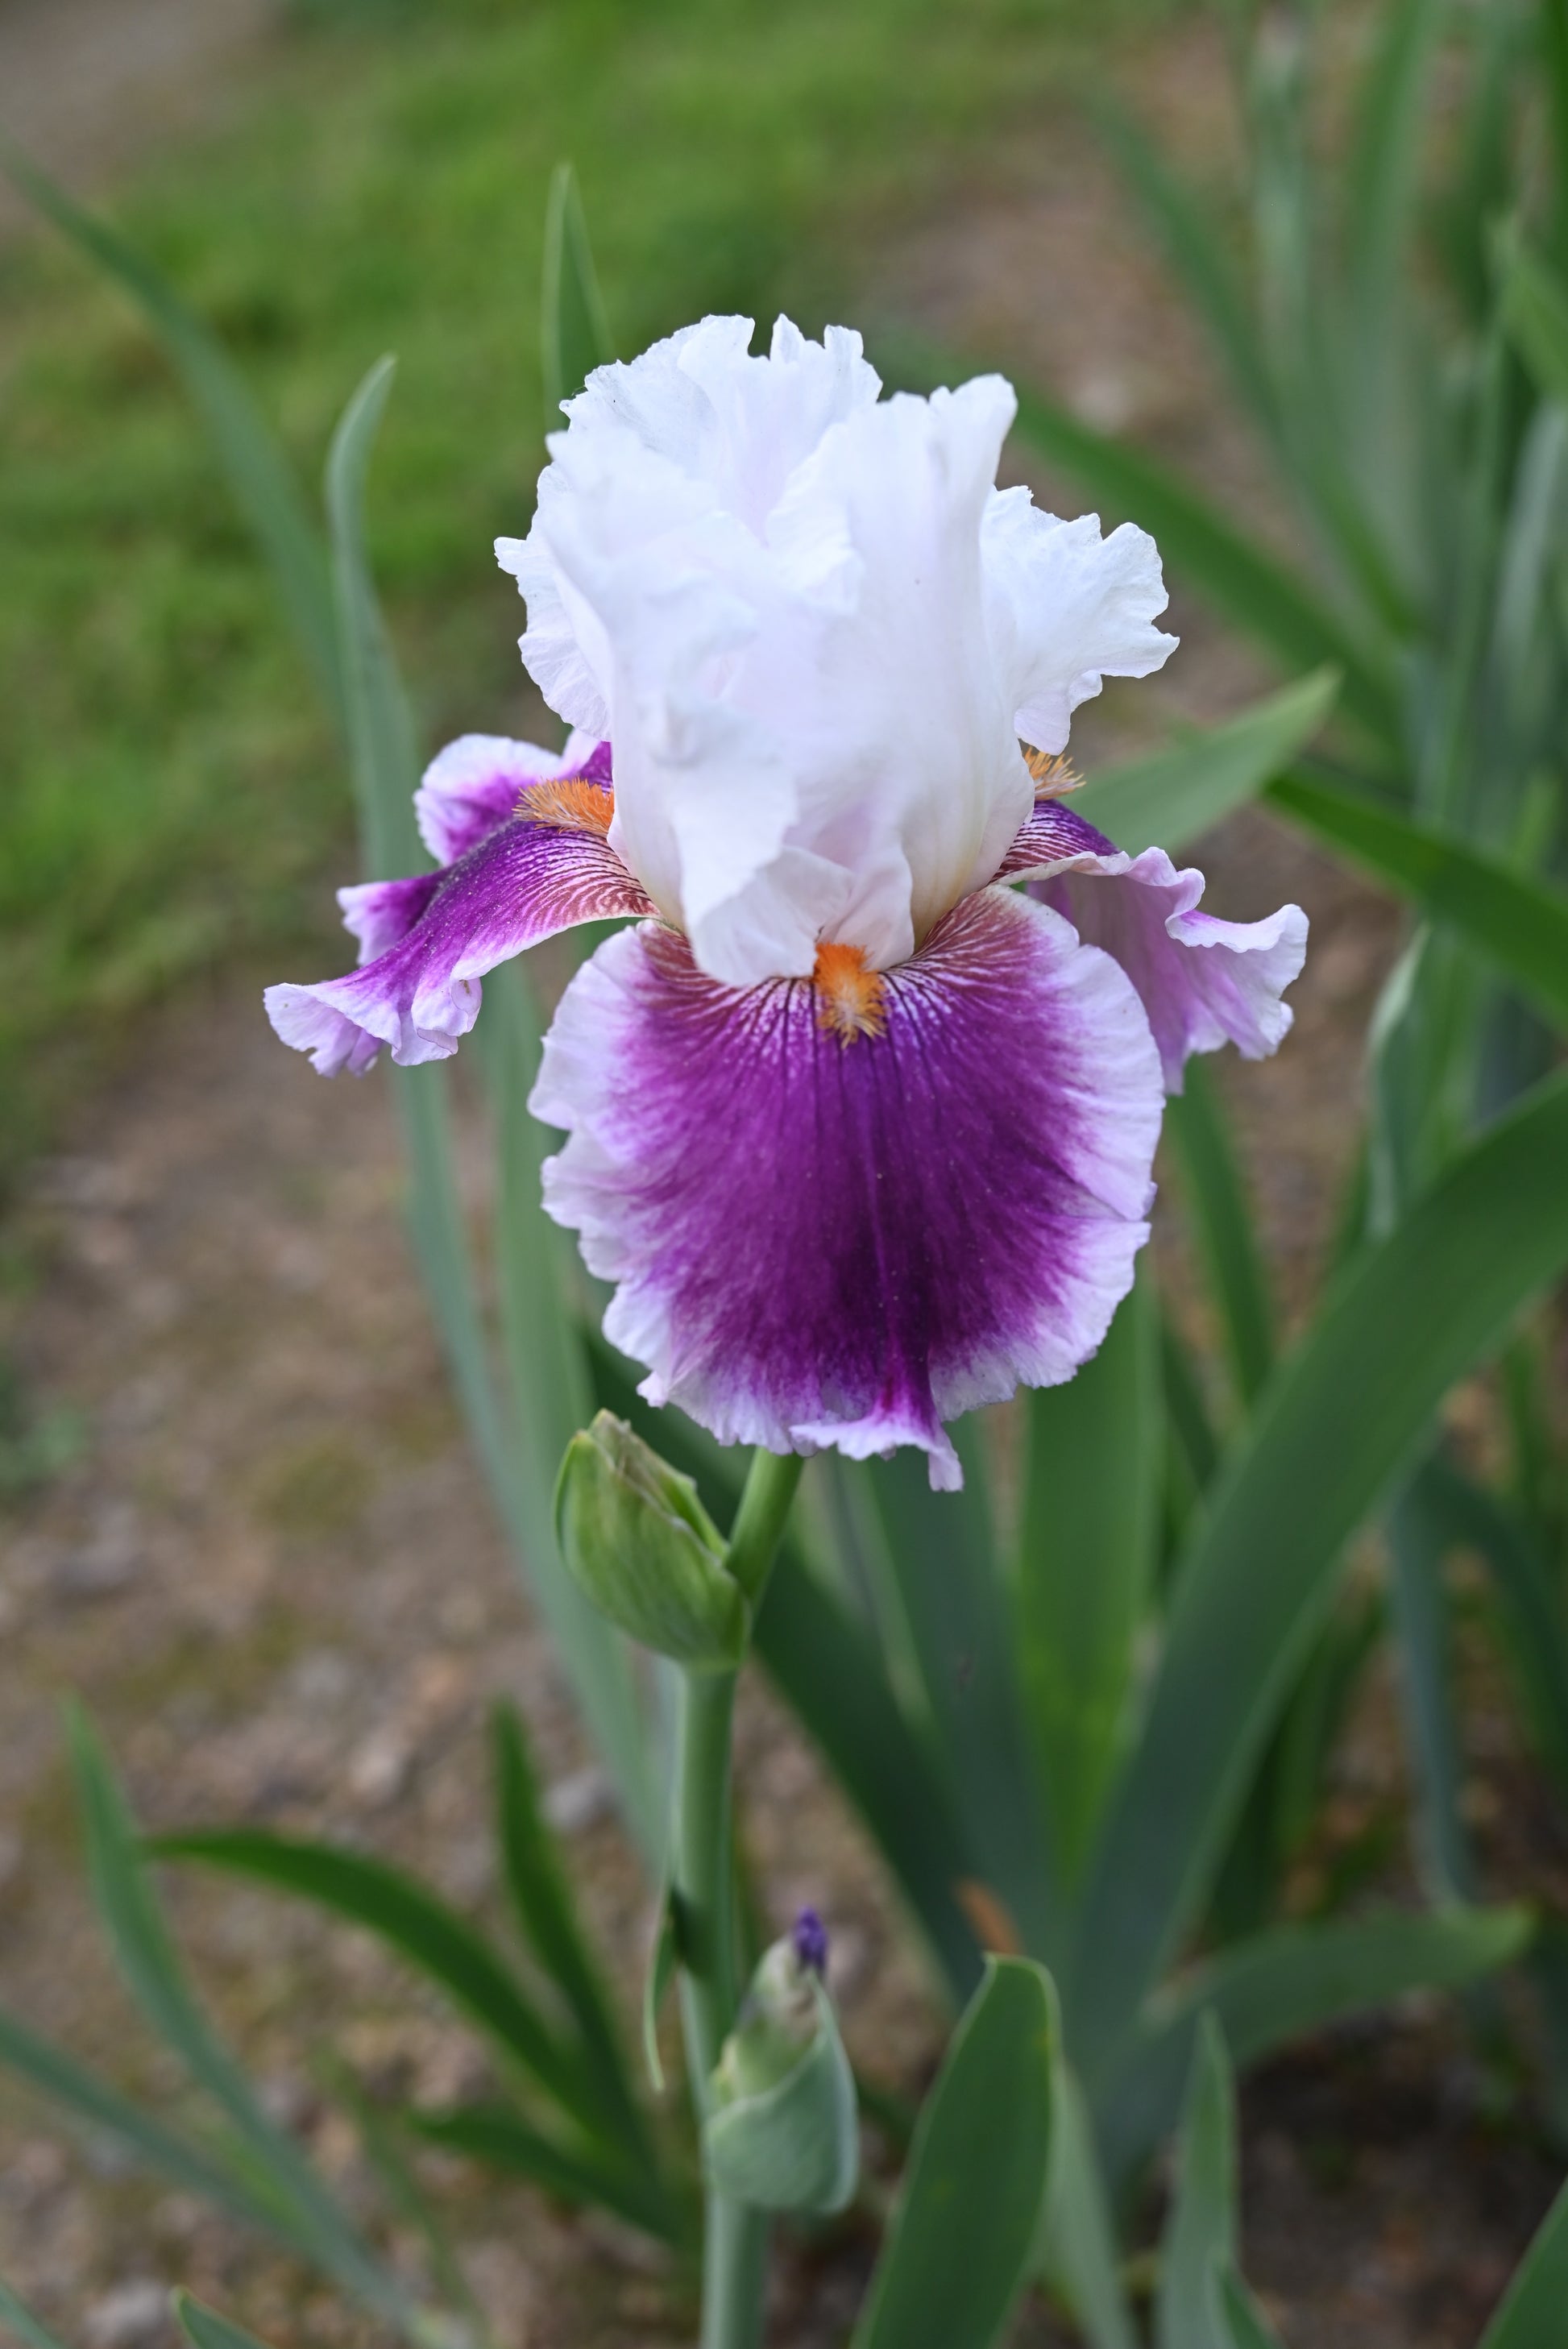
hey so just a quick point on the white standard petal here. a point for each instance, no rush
(1067, 608)
(808, 626)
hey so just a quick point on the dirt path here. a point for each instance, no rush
(87, 86)
(274, 1578)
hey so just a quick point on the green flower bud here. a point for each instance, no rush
(645, 1551)
(782, 2129)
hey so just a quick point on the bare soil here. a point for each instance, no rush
(274, 1578)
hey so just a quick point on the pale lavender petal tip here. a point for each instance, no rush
(1203, 982)
(819, 1242)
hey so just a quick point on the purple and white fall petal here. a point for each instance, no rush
(824, 1237)
(522, 839)
(1203, 982)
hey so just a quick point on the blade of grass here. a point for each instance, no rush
(262, 479)
(1360, 1393)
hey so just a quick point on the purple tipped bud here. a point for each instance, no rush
(810, 1942)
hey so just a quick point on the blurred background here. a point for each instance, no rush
(237, 1512)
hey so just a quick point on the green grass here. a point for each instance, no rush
(171, 797)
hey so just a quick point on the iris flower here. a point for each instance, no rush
(860, 1112)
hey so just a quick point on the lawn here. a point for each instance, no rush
(170, 798)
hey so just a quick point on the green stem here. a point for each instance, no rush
(735, 2237)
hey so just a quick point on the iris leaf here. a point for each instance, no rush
(1422, 1627)
(19, 2318)
(1535, 312)
(1531, 2316)
(399, 1910)
(1336, 1426)
(501, 2139)
(1532, 1614)
(1226, 1236)
(1170, 799)
(574, 327)
(943, 1554)
(1520, 925)
(1093, 1450)
(541, 1901)
(145, 1953)
(1289, 1981)
(148, 2140)
(957, 2248)
(384, 766)
(205, 2329)
(1200, 2238)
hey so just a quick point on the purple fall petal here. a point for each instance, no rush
(821, 1241)
(426, 942)
(1203, 982)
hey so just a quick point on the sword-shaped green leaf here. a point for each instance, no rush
(1519, 924)
(958, 2245)
(1338, 1421)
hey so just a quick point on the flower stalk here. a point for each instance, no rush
(735, 2238)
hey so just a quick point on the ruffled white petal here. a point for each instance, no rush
(812, 629)
(1067, 608)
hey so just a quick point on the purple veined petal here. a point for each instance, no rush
(1204, 982)
(472, 785)
(521, 882)
(845, 1235)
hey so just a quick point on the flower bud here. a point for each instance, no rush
(645, 1551)
(782, 2129)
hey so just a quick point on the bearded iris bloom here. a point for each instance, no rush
(860, 1115)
